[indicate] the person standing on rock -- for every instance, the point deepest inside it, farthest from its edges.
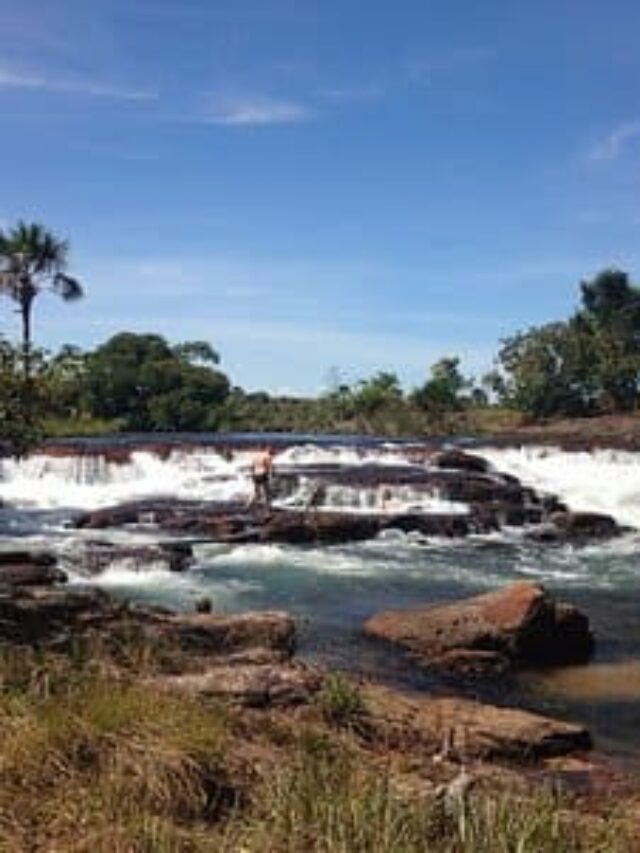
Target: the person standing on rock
(261, 470)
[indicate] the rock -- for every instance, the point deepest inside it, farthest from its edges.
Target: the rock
(319, 527)
(520, 623)
(54, 618)
(203, 605)
(579, 525)
(471, 730)
(251, 685)
(29, 568)
(458, 460)
(221, 634)
(31, 574)
(95, 556)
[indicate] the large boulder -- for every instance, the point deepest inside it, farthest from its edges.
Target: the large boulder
(517, 626)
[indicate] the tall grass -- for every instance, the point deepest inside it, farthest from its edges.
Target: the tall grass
(328, 802)
(91, 760)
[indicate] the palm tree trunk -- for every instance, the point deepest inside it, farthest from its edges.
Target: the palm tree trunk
(25, 313)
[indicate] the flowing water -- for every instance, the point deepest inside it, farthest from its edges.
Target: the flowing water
(333, 589)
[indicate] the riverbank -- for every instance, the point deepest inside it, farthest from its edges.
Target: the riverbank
(132, 729)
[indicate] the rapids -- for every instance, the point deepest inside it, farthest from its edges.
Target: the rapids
(333, 589)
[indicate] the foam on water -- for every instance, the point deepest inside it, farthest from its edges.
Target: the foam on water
(599, 480)
(88, 481)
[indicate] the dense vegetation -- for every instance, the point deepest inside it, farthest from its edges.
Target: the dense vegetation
(586, 365)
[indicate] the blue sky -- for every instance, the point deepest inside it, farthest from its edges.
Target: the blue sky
(337, 183)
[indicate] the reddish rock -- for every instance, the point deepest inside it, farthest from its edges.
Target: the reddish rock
(465, 730)
(520, 622)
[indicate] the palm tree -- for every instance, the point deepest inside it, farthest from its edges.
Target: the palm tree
(32, 260)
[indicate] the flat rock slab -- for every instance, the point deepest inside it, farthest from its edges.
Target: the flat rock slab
(461, 729)
(55, 617)
(519, 625)
(250, 685)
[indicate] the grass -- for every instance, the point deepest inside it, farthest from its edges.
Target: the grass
(341, 703)
(92, 759)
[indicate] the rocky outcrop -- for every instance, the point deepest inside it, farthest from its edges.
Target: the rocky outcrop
(93, 557)
(27, 568)
(517, 626)
(54, 618)
(460, 729)
(576, 527)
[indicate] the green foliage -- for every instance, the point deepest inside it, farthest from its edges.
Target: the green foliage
(341, 702)
(442, 391)
(588, 364)
(149, 385)
(33, 259)
(23, 402)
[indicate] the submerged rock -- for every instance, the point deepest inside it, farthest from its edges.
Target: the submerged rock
(517, 626)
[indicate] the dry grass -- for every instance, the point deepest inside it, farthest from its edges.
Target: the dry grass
(91, 760)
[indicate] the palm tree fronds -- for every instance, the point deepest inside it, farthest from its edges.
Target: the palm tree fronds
(67, 287)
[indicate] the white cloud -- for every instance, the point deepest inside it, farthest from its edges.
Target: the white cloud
(10, 79)
(255, 111)
(612, 146)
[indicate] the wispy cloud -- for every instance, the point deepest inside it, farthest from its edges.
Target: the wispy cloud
(612, 146)
(255, 110)
(11, 79)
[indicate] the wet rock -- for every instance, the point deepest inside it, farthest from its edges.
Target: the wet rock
(30, 574)
(521, 623)
(250, 685)
(27, 568)
(458, 460)
(470, 730)
(96, 556)
(578, 525)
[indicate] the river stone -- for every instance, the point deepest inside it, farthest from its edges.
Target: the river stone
(521, 623)
(250, 685)
(465, 729)
(55, 617)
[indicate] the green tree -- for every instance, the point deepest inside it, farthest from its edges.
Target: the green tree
(442, 391)
(150, 385)
(21, 425)
(33, 260)
(371, 395)
(609, 320)
(543, 372)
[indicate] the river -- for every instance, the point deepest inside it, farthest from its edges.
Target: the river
(333, 589)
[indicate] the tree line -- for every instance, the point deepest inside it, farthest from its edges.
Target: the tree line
(587, 364)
